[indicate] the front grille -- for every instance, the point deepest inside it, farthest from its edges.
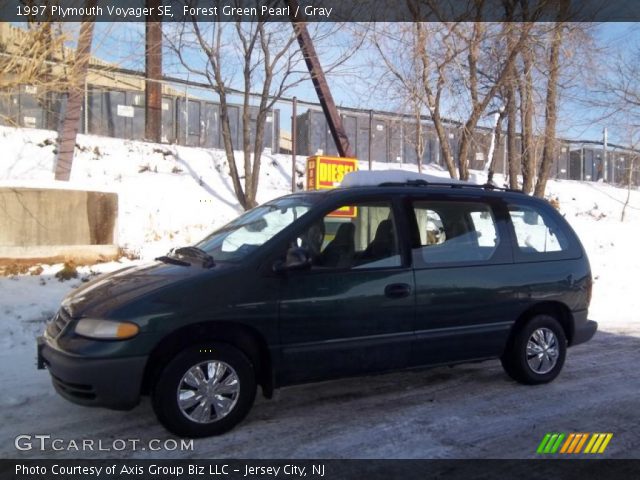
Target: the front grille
(58, 323)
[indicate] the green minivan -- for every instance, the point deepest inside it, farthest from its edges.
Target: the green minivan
(319, 285)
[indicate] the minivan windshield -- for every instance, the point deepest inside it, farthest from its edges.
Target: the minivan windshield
(254, 228)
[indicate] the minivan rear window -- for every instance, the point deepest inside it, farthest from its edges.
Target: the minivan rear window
(536, 232)
(454, 232)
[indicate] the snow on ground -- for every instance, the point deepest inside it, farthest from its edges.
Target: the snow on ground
(593, 210)
(168, 195)
(27, 301)
(171, 195)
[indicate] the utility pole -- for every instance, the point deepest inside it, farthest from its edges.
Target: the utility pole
(153, 73)
(319, 81)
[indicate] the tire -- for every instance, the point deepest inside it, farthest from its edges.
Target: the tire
(544, 359)
(216, 404)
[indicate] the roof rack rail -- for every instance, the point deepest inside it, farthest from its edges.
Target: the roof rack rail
(424, 183)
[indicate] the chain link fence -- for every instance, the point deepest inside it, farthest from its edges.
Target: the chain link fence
(380, 136)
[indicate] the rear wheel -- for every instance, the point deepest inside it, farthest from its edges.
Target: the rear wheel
(537, 351)
(205, 391)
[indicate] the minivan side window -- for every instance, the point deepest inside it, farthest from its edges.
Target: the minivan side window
(353, 237)
(535, 231)
(452, 232)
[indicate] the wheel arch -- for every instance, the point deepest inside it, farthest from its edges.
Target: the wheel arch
(558, 310)
(243, 337)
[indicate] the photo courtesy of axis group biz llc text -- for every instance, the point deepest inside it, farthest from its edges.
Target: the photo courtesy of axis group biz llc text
(320, 239)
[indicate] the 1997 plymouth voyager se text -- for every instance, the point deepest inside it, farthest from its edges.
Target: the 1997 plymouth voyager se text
(327, 284)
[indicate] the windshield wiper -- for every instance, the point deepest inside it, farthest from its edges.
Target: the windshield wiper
(172, 260)
(194, 253)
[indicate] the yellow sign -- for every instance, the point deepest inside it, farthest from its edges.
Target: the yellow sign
(327, 172)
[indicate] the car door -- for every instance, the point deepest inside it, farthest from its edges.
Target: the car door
(352, 311)
(464, 278)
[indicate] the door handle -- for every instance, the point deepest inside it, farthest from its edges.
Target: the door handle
(397, 290)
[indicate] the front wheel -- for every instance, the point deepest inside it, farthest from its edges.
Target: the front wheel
(536, 353)
(205, 391)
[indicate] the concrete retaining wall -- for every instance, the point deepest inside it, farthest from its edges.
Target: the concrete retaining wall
(52, 224)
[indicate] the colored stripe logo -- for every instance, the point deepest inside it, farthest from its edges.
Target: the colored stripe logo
(573, 443)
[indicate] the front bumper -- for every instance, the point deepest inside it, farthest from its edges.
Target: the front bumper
(98, 382)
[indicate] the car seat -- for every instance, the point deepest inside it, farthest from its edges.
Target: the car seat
(339, 253)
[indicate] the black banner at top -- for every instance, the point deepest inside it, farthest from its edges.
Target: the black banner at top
(320, 10)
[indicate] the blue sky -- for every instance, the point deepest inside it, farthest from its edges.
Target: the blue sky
(580, 120)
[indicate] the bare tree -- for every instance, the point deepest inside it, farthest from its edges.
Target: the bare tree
(622, 105)
(511, 100)
(521, 84)
(70, 122)
(617, 95)
(419, 143)
(417, 137)
(551, 107)
(27, 54)
(420, 68)
(256, 61)
(27, 59)
(447, 64)
(527, 114)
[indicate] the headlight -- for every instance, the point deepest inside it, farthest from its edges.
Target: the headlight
(106, 329)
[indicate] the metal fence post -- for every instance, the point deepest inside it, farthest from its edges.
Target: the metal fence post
(294, 133)
(401, 142)
(186, 112)
(370, 136)
(273, 132)
(605, 163)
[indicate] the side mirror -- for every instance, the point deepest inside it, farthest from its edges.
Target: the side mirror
(298, 258)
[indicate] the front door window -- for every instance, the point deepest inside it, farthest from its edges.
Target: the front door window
(355, 236)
